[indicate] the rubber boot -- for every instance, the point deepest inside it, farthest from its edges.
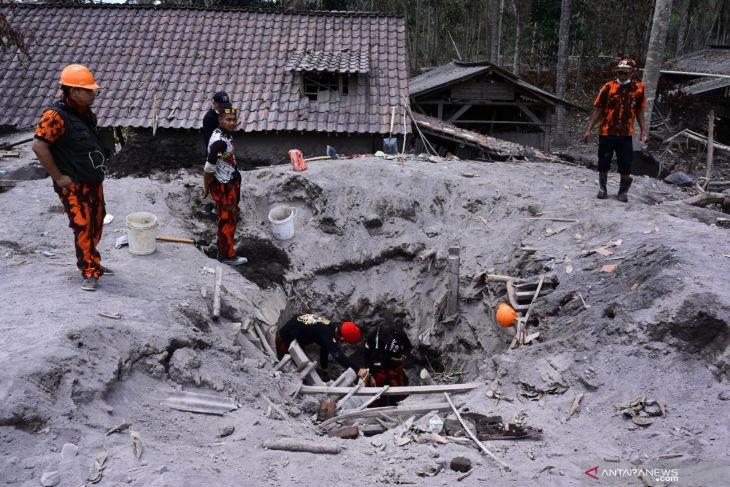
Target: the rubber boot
(602, 191)
(623, 189)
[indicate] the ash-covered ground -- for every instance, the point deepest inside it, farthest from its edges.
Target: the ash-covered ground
(656, 326)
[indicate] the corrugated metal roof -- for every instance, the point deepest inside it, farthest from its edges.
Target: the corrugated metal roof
(180, 56)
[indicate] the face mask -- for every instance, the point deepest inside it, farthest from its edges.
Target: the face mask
(623, 83)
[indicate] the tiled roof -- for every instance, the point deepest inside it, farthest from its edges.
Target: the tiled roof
(331, 61)
(175, 58)
(457, 71)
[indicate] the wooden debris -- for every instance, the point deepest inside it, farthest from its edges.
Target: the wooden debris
(667, 456)
(9, 153)
(346, 432)
(283, 362)
(576, 404)
(608, 268)
(367, 403)
(522, 322)
(427, 254)
(708, 198)
(114, 316)
(117, 429)
(564, 220)
(392, 391)
(710, 148)
(217, 293)
(388, 410)
(465, 475)
(301, 446)
(472, 435)
(7, 183)
(299, 357)
(264, 341)
(426, 377)
(136, 444)
(352, 392)
(276, 408)
(452, 301)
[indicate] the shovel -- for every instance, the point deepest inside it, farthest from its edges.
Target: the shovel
(390, 144)
(123, 241)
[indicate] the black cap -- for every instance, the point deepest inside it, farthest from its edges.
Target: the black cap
(221, 97)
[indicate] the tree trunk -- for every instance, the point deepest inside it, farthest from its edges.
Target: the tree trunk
(494, 22)
(682, 31)
(518, 38)
(655, 55)
(561, 78)
(499, 31)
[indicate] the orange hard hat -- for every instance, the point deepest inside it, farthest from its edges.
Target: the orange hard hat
(350, 332)
(506, 315)
(78, 76)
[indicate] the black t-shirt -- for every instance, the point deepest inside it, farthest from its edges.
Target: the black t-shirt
(210, 123)
(308, 329)
(380, 352)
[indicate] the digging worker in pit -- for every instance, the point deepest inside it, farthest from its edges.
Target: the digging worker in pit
(308, 328)
(68, 147)
(210, 120)
(386, 349)
(619, 102)
(222, 180)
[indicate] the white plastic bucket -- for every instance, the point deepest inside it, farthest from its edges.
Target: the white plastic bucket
(142, 232)
(282, 221)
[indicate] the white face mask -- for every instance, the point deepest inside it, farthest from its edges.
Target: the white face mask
(624, 83)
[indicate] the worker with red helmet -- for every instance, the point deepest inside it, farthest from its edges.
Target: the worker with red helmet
(308, 328)
(68, 147)
(619, 102)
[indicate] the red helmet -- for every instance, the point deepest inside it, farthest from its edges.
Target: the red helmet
(350, 332)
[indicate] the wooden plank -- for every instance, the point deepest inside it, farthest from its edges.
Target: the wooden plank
(217, 293)
(7, 183)
(388, 411)
(458, 113)
(267, 348)
(283, 362)
(710, 147)
(367, 403)
(299, 358)
(276, 408)
(395, 390)
(352, 392)
(301, 446)
(452, 302)
(307, 369)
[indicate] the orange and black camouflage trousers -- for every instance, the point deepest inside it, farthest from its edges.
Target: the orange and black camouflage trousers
(395, 377)
(84, 206)
(226, 197)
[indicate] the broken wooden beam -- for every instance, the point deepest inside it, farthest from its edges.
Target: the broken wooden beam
(283, 362)
(704, 199)
(276, 408)
(7, 183)
(301, 446)
(367, 403)
(299, 357)
(217, 293)
(393, 391)
(264, 342)
(352, 392)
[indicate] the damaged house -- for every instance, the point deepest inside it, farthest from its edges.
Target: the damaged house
(484, 98)
(699, 82)
(300, 79)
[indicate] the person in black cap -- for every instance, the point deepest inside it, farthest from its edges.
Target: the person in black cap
(210, 121)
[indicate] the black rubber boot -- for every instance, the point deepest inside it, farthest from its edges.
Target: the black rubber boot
(623, 190)
(602, 191)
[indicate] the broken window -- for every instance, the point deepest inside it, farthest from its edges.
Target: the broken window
(314, 83)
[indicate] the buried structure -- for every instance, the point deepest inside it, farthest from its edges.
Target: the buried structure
(623, 362)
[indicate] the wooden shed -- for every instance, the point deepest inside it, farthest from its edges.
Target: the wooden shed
(484, 98)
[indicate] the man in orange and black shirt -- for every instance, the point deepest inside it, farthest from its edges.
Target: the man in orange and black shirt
(617, 105)
(68, 146)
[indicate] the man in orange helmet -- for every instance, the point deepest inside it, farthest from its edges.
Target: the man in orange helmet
(308, 328)
(68, 146)
(619, 102)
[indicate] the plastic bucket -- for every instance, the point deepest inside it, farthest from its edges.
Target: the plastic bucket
(142, 232)
(282, 221)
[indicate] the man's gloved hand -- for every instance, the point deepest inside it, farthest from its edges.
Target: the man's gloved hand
(363, 374)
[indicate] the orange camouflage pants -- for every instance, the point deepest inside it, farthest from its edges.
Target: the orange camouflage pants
(394, 377)
(84, 206)
(226, 197)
